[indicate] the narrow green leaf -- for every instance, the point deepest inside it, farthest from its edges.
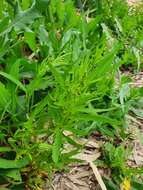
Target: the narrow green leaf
(25, 17)
(103, 66)
(56, 149)
(136, 185)
(57, 75)
(6, 164)
(4, 96)
(13, 173)
(4, 23)
(45, 147)
(42, 5)
(26, 4)
(5, 149)
(1, 8)
(14, 72)
(30, 40)
(11, 78)
(98, 118)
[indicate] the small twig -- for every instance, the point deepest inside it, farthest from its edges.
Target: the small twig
(97, 175)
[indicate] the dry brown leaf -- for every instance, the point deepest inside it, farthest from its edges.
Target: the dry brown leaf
(129, 117)
(83, 174)
(92, 144)
(67, 133)
(71, 185)
(87, 157)
(4, 185)
(133, 2)
(77, 181)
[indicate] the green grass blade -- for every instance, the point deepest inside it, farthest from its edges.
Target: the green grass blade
(57, 146)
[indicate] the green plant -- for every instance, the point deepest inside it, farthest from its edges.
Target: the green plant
(54, 79)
